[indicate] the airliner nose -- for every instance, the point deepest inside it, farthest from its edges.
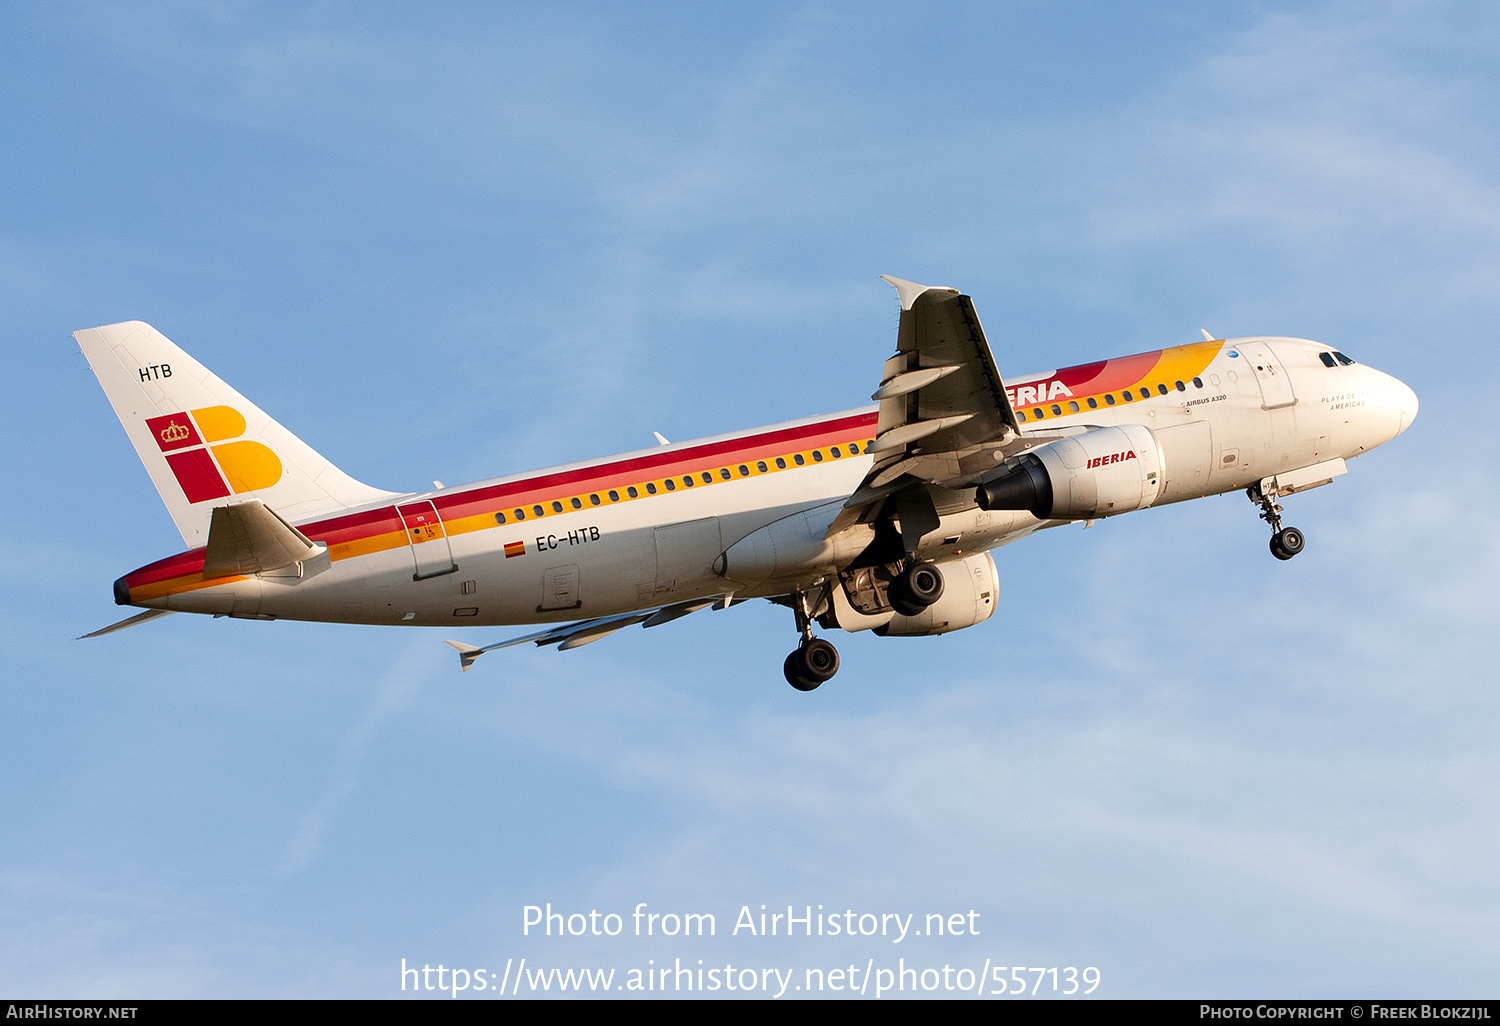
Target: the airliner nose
(1406, 402)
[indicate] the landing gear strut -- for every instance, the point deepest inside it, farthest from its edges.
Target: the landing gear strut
(1286, 542)
(815, 660)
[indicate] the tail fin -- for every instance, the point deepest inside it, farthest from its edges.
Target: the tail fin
(203, 443)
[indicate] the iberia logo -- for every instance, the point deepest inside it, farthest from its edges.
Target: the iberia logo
(1114, 457)
(208, 471)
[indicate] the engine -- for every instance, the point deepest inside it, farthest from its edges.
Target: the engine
(971, 590)
(1094, 474)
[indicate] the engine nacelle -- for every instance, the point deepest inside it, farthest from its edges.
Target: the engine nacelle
(1094, 474)
(971, 590)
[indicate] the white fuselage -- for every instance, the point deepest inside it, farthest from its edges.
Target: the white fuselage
(462, 556)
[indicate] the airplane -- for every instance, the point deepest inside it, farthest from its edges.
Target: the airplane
(881, 518)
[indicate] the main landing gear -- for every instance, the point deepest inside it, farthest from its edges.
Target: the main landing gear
(1286, 542)
(917, 586)
(815, 660)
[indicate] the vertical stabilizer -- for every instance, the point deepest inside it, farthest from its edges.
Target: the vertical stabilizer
(203, 443)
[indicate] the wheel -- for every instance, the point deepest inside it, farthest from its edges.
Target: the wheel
(817, 660)
(1287, 542)
(793, 674)
(916, 588)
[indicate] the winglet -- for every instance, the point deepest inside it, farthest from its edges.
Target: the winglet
(466, 653)
(909, 291)
(1206, 336)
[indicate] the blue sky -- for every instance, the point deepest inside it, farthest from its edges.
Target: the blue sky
(470, 241)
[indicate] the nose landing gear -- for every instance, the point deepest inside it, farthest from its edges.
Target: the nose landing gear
(1286, 542)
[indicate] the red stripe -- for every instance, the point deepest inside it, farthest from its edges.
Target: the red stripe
(601, 475)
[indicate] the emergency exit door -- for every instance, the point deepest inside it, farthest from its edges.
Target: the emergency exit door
(1275, 384)
(428, 540)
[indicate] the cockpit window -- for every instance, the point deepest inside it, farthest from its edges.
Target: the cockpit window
(1343, 359)
(1328, 360)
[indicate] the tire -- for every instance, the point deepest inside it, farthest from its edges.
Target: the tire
(793, 677)
(1292, 541)
(916, 588)
(1277, 550)
(817, 660)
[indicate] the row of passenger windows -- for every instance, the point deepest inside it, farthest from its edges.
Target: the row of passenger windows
(671, 484)
(1109, 400)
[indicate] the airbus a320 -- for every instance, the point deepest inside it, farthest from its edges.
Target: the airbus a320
(881, 518)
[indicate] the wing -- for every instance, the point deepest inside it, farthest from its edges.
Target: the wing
(574, 635)
(944, 417)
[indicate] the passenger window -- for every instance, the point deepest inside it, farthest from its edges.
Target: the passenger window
(744, 470)
(520, 514)
(797, 459)
(1197, 382)
(1056, 410)
(817, 455)
(671, 485)
(1092, 404)
(1127, 397)
(1037, 413)
(576, 503)
(853, 450)
(1109, 399)
(761, 466)
(1073, 406)
(650, 488)
(780, 463)
(1162, 389)
(632, 492)
(1021, 416)
(536, 511)
(594, 500)
(1145, 393)
(614, 496)
(835, 452)
(708, 478)
(1181, 387)
(724, 473)
(687, 479)
(556, 506)
(499, 518)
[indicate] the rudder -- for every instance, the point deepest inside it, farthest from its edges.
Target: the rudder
(203, 443)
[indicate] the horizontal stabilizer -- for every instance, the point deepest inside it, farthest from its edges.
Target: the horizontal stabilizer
(130, 621)
(249, 538)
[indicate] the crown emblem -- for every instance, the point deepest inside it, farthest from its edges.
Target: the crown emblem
(174, 432)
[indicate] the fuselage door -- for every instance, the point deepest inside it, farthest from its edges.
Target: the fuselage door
(1275, 383)
(429, 542)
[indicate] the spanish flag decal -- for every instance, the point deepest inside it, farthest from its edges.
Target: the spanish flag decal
(515, 549)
